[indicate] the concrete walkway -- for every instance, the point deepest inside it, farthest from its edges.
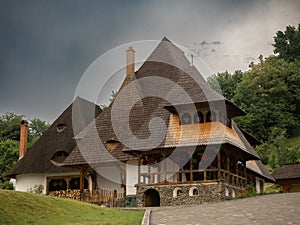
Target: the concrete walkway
(268, 209)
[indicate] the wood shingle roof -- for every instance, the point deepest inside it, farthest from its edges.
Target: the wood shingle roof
(290, 171)
(37, 159)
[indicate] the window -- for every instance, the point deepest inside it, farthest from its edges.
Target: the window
(198, 117)
(59, 156)
(177, 192)
(186, 119)
(57, 185)
(112, 144)
(193, 191)
(60, 127)
(75, 183)
(211, 117)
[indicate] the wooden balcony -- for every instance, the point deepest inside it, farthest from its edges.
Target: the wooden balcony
(192, 176)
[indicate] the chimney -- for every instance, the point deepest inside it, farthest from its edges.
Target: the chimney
(130, 61)
(23, 138)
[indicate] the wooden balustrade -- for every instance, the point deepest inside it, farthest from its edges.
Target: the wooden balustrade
(188, 176)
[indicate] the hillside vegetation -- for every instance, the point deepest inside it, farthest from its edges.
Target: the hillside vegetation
(28, 208)
(269, 92)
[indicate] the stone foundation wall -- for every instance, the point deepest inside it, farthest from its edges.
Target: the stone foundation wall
(188, 194)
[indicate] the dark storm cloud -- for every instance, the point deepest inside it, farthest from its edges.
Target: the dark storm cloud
(45, 46)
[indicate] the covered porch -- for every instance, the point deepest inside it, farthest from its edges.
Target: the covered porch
(165, 168)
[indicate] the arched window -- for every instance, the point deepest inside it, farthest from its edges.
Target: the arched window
(57, 185)
(198, 117)
(60, 127)
(193, 191)
(226, 192)
(177, 192)
(211, 117)
(186, 118)
(60, 156)
(75, 183)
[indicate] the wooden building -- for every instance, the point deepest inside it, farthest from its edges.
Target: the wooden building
(194, 153)
(288, 176)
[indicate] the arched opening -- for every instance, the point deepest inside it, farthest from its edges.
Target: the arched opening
(198, 118)
(194, 191)
(59, 156)
(152, 198)
(226, 192)
(186, 118)
(60, 127)
(211, 117)
(57, 185)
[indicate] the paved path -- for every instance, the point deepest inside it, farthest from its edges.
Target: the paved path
(275, 209)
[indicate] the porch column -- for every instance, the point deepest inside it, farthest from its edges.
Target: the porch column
(164, 167)
(237, 172)
(139, 169)
(81, 183)
(228, 163)
(191, 168)
(219, 165)
(228, 168)
(245, 174)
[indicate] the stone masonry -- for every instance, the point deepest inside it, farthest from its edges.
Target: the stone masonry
(188, 194)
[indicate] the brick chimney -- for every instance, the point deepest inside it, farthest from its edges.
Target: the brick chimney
(23, 138)
(130, 61)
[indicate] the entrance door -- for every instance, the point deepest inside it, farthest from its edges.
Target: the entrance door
(152, 198)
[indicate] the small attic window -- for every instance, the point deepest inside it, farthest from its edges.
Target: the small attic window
(60, 156)
(186, 118)
(60, 127)
(112, 144)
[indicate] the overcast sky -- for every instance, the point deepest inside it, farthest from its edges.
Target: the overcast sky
(46, 46)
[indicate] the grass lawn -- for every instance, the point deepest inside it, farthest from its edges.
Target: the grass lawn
(27, 208)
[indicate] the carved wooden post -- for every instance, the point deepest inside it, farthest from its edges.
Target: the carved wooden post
(139, 169)
(81, 183)
(228, 168)
(191, 169)
(219, 165)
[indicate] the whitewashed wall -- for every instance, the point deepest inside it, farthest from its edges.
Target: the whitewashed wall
(110, 178)
(25, 182)
(258, 189)
(132, 177)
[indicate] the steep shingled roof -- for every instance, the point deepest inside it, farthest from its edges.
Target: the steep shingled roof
(37, 159)
(259, 169)
(290, 171)
(166, 63)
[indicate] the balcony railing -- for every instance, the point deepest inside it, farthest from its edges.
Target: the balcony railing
(192, 176)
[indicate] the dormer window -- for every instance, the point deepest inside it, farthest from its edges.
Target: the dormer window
(186, 118)
(112, 144)
(60, 156)
(60, 127)
(198, 118)
(211, 117)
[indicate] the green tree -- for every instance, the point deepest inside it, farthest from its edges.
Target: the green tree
(113, 95)
(269, 93)
(225, 83)
(10, 126)
(9, 152)
(9, 141)
(37, 128)
(287, 43)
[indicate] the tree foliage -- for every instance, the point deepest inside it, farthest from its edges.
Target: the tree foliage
(225, 83)
(270, 94)
(9, 141)
(9, 152)
(10, 126)
(287, 44)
